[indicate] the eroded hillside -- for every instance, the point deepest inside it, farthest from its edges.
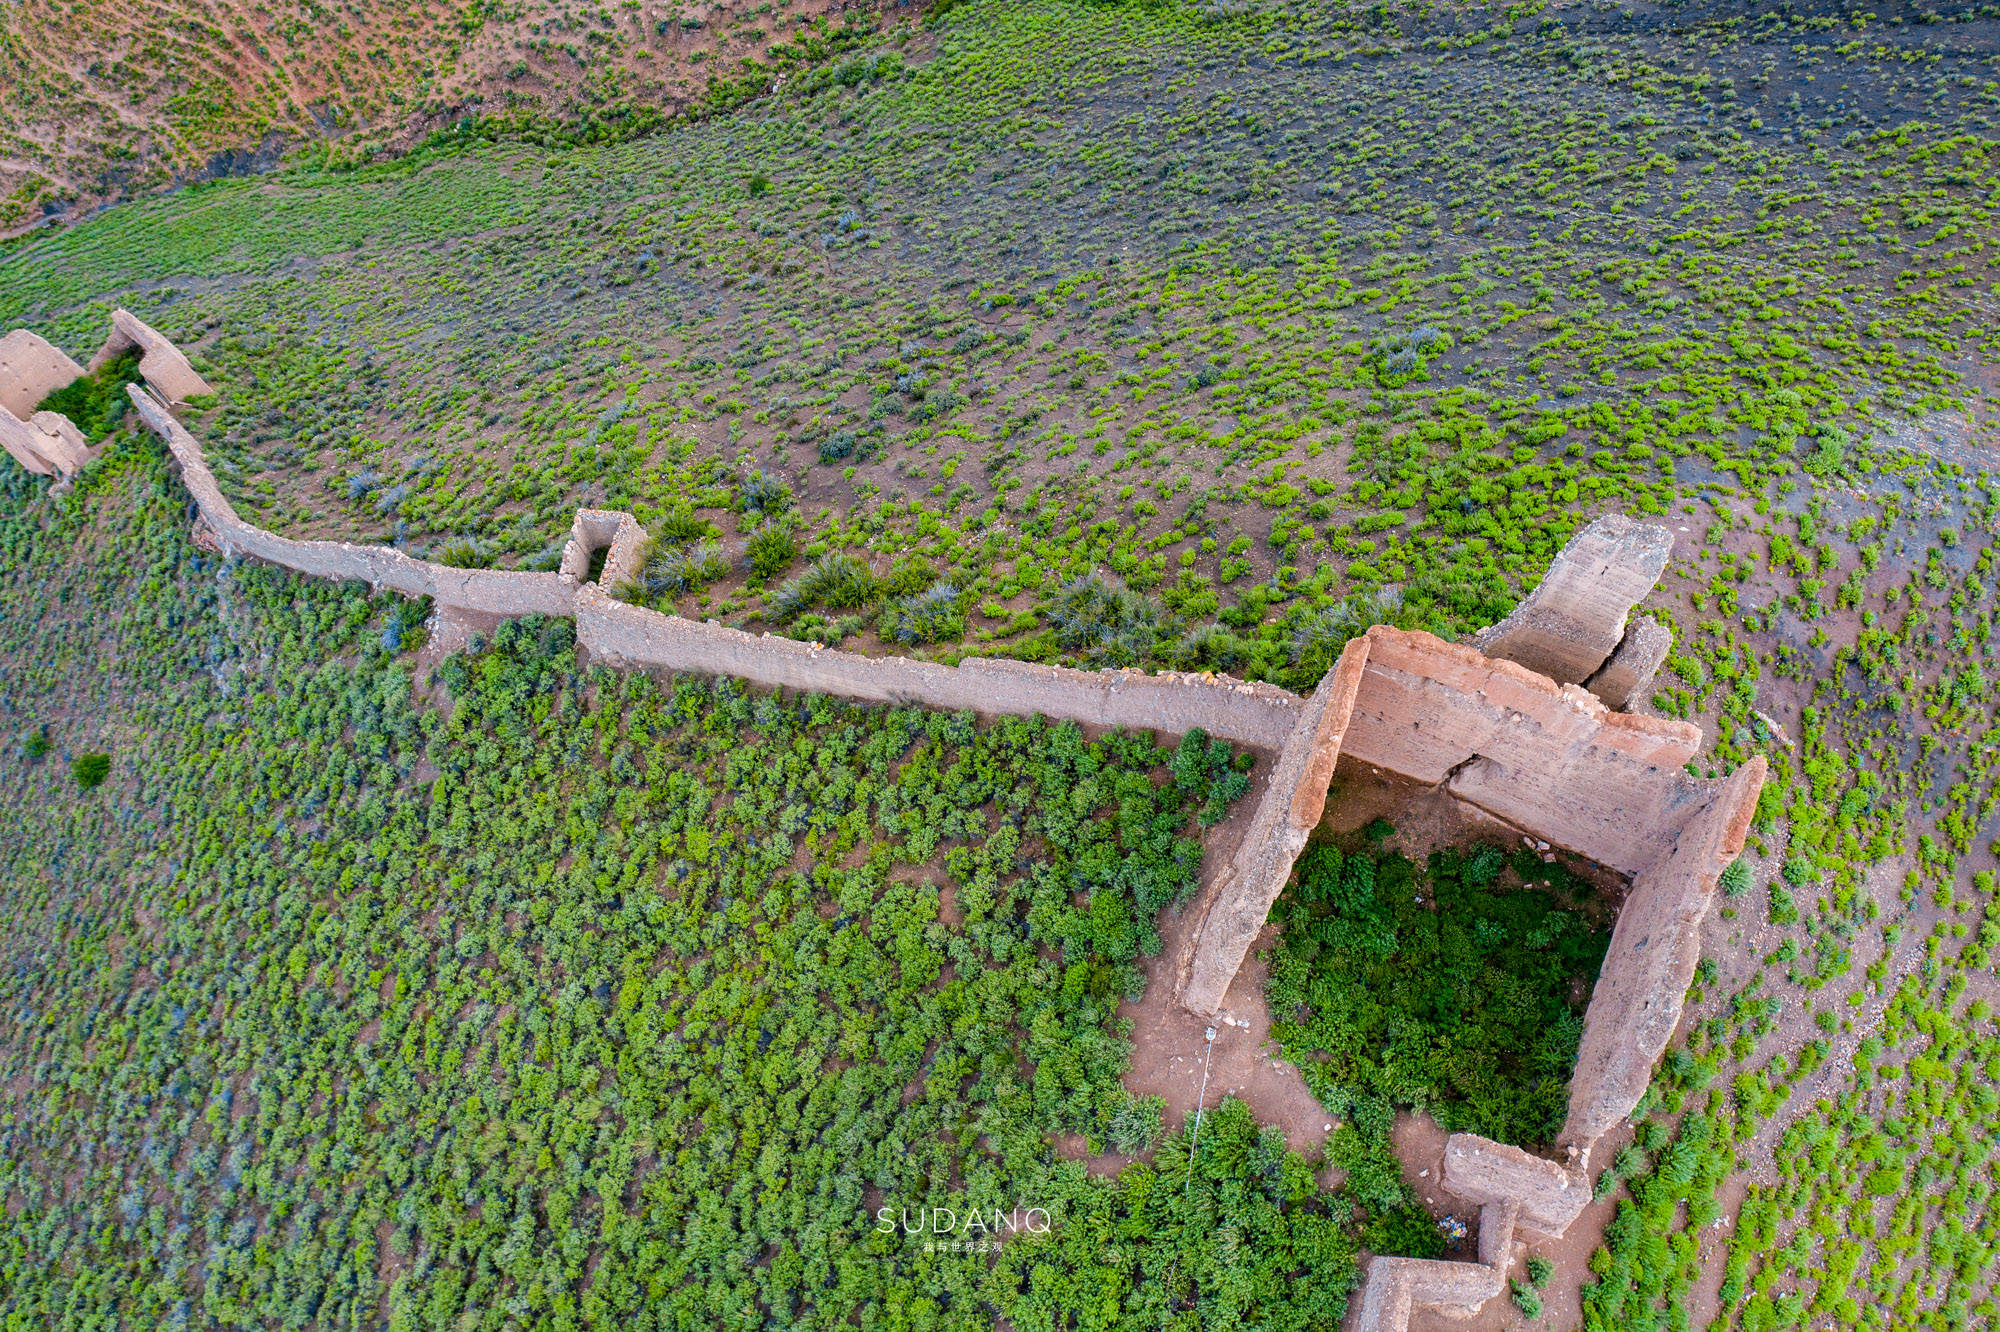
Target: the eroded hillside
(102, 101)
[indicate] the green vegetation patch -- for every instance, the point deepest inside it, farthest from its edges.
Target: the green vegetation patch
(1457, 989)
(96, 402)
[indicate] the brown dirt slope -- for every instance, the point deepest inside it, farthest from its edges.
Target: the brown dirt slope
(104, 99)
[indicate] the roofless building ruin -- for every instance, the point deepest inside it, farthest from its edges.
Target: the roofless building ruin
(1525, 725)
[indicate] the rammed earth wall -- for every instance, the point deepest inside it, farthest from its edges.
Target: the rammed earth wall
(1549, 758)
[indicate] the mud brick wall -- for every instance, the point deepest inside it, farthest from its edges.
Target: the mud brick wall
(494, 591)
(1547, 758)
(161, 363)
(1234, 908)
(1654, 948)
(1576, 616)
(31, 368)
(1259, 716)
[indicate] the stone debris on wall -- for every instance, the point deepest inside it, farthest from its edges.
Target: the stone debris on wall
(1575, 618)
(165, 369)
(31, 368)
(1233, 909)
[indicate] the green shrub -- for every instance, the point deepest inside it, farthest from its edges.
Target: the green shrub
(96, 403)
(931, 616)
(1449, 990)
(1136, 1125)
(771, 548)
(90, 770)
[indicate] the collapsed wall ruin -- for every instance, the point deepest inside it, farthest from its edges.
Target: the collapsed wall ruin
(1546, 754)
(31, 368)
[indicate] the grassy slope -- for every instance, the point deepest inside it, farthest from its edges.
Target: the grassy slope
(1255, 315)
(547, 998)
(1655, 295)
(102, 101)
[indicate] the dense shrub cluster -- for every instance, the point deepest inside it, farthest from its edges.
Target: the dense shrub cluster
(1457, 989)
(580, 997)
(96, 402)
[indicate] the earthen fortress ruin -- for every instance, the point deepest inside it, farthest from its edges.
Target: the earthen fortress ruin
(1526, 724)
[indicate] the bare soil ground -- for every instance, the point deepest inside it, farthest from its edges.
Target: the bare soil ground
(102, 101)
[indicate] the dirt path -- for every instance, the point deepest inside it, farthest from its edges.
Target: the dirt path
(1170, 1045)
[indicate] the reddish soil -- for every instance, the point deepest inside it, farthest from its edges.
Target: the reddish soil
(131, 97)
(1170, 1046)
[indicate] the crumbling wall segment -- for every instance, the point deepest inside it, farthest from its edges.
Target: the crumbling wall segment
(31, 368)
(1394, 1286)
(47, 443)
(1575, 617)
(164, 368)
(1643, 984)
(1548, 1196)
(1547, 758)
(1628, 676)
(613, 531)
(1233, 909)
(1255, 715)
(493, 591)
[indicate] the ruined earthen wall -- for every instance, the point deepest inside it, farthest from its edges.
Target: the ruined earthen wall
(1234, 908)
(1482, 1171)
(1627, 677)
(1575, 617)
(1640, 991)
(1394, 1285)
(31, 368)
(26, 445)
(494, 591)
(165, 369)
(1257, 715)
(47, 443)
(1550, 759)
